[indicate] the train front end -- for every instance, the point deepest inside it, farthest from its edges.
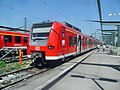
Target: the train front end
(43, 43)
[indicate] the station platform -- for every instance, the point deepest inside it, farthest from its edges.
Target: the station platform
(100, 71)
(91, 71)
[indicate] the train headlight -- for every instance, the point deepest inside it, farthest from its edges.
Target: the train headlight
(29, 56)
(50, 47)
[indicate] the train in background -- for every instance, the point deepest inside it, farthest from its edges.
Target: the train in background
(12, 40)
(53, 42)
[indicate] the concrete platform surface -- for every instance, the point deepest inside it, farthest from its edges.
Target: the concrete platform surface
(34, 83)
(98, 72)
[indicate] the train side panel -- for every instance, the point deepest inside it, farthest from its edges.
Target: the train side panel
(55, 41)
(1, 41)
(13, 39)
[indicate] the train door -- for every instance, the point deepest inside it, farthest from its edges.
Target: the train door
(87, 43)
(78, 44)
(63, 41)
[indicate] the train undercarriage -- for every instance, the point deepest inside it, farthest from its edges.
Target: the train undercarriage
(40, 61)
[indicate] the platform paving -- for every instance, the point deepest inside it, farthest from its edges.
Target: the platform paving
(100, 71)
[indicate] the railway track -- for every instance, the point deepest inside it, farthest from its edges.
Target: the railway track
(12, 78)
(15, 59)
(7, 60)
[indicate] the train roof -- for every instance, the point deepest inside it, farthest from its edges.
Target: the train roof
(43, 24)
(71, 26)
(11, 32)
(13, 29)
(49, 24)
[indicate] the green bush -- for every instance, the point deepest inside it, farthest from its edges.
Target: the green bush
(2, 64)
(17, 66)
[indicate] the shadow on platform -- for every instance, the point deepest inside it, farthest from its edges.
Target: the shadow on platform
(101, 79)
(116, 67)
(95, 79)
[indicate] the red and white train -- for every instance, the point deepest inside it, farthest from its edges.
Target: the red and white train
(11, 42)
(53, 42)
(12, 39)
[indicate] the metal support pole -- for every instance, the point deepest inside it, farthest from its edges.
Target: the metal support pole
(109, 40)
(113, 38)
(118, 41)
(25, 23)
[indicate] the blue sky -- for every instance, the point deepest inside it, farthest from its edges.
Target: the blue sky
(12, 12)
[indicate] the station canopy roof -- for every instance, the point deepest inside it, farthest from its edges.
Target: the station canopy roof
(108, 23)
(111, 23)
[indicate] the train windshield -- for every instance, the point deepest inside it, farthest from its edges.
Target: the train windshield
(40, 33)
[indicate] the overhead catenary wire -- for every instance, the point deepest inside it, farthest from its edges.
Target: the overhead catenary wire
(21, 12)
(12, 4)
(11, 7)
(73, 14)
(45, 3)
(68, 10)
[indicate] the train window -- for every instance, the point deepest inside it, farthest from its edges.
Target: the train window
(63, 33)
(25, 39)
(70, 41)
(45, 34)
(17, 39)
(90, 42)
(82, 41)
(8, 38)
(87, 41)
(75, 41)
